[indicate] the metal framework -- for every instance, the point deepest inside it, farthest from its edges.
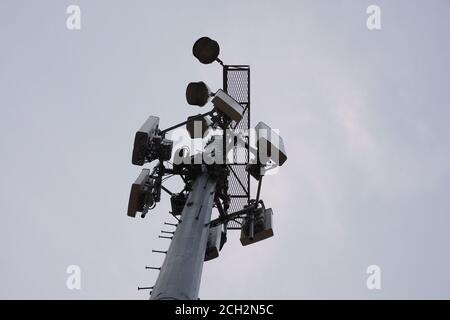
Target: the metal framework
(236, 82)
(224, 185)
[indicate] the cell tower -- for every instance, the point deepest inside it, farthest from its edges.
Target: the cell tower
(219, 177)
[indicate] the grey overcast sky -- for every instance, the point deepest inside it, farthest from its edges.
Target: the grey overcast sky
(364, 115)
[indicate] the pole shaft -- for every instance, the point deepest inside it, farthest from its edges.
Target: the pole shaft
(180, 275)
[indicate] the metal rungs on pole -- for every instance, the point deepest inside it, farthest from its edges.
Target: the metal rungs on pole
(181, 271)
